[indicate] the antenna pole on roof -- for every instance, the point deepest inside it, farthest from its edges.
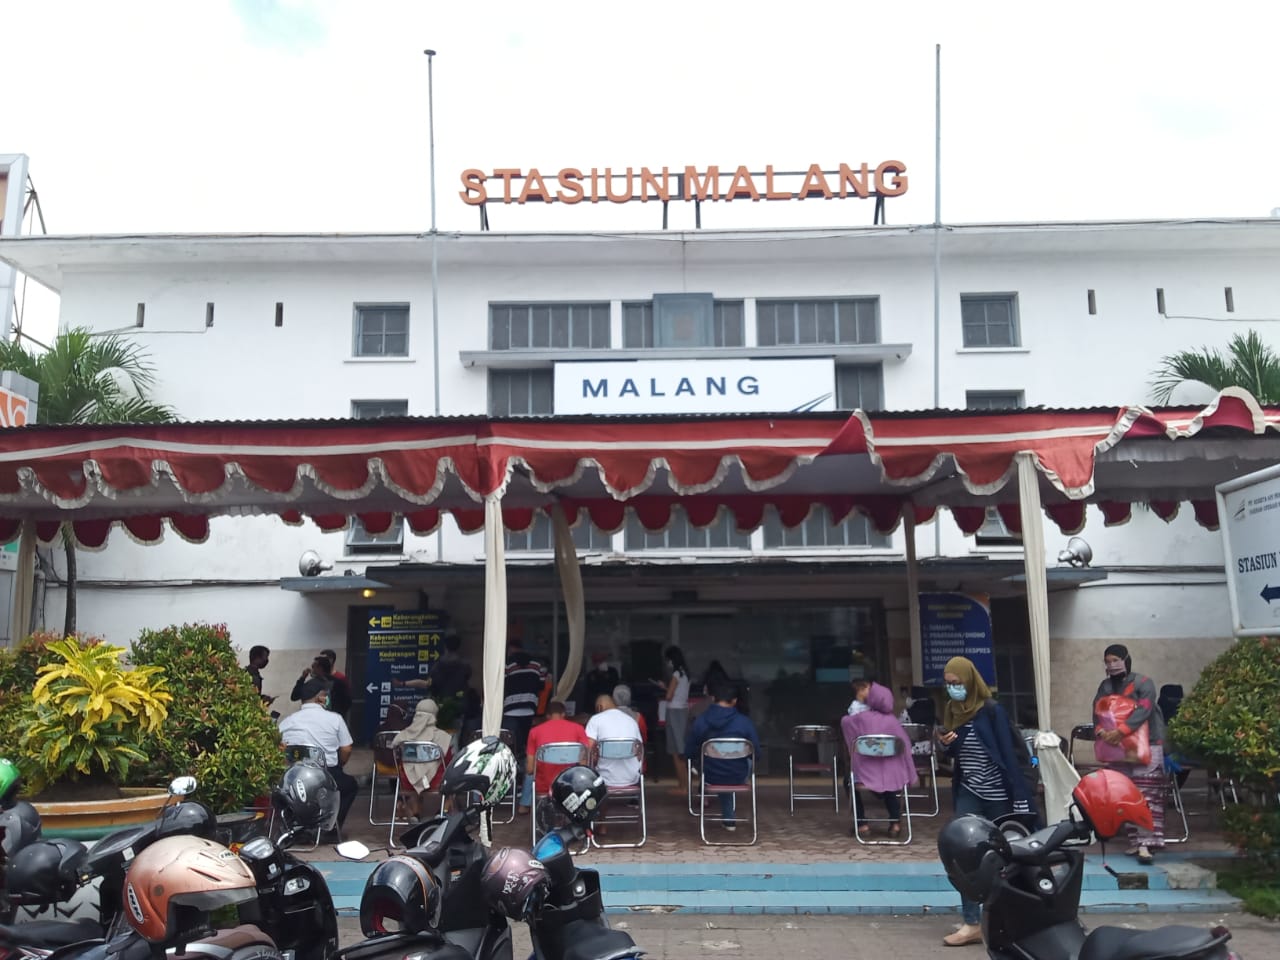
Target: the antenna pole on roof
(937, 253)
(435, 259)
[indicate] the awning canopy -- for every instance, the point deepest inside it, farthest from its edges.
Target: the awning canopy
(147, 477)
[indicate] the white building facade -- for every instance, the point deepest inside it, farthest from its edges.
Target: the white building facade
(292, 327)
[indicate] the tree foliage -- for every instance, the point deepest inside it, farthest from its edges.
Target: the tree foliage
(1248, 363)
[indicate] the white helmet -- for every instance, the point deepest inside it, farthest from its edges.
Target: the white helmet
(487, 766)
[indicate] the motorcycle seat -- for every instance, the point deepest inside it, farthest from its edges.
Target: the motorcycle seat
(51, 933)
(1117, 943)
(590, 941)
(398, 945)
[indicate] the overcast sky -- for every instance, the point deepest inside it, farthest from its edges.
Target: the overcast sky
(311, 115)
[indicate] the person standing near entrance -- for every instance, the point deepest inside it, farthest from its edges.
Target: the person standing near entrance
(988, 758)
(522, 687)
(677, 701)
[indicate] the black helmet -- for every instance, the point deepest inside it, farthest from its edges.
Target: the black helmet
(21, 826)
(512, 878)
(47, 871)
(578, 792)
(400, 896)
(308, 796)
(973, 851)
(189, 818)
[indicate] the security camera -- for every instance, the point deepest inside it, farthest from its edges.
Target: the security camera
(310, 564)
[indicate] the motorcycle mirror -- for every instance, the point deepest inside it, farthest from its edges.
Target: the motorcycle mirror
(182, 786)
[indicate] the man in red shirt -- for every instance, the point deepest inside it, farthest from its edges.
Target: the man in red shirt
(555, 729)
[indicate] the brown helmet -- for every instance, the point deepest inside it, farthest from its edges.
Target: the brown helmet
(173, 884)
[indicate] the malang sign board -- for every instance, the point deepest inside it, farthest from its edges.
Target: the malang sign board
(573, 185)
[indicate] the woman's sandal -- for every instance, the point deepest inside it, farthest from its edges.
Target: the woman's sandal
(863, 831)
(895, 830)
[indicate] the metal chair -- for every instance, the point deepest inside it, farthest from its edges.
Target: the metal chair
(411, 751)
(568, 753)
(381, 771)
(727, 748)
(881, 746)
(922, 749)
(1173, 792)
(623, 750)
(1083, 732)
(817, 736)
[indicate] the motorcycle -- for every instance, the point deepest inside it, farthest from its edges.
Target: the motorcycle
(561, 903)
(1030, 883)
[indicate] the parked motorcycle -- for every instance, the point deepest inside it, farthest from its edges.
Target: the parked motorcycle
(19, 826)
(428, 901)
(561, 903)
(1030, 885)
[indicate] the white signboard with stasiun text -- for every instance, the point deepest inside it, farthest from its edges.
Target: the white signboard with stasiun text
(695, 386)
(1249, 518)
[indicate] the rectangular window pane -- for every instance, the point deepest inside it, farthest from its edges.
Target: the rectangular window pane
(989, 321)
(859, 387)
(500, 328)
(382, 331)
(560, 327)
(580, 328)
(519, 328)
(637, 325)
(540, 327)
(766, 323)
(868, 325)
(600, 335)
(993, 399)
(827, 322)
(729, 323)
(372, 409)
(518, 393)
(816, 321)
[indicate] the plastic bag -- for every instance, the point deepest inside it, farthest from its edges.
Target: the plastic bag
(1057, 775)
(1135, 748)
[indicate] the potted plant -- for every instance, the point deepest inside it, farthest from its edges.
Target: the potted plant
(85, 723)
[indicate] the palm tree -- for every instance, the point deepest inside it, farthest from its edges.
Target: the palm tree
(87, 378)
(1248, 363)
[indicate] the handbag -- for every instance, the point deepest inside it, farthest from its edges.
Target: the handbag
(1109, 712)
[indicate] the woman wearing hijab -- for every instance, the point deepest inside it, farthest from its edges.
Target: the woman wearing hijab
(883, 776)
(1149, 777)
(417, 778)
(987, 756)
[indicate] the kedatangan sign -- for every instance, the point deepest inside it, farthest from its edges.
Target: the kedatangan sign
(1249, 518)
(695, 386)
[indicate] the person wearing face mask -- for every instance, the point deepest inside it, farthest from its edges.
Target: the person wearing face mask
(989, 759)
(883, 776)
(1149, 777)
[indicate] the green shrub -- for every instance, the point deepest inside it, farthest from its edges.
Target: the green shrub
(19, 667)
(218, 730)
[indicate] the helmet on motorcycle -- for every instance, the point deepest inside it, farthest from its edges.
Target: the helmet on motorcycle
(186, 819)
(21, 826)
(973, 851)
(172, 886)
(578, 792)
(45, 872)
(1108, 799)
(10, 780)
(511, 878)
(309, 796)
(485, 765)
(401, 892)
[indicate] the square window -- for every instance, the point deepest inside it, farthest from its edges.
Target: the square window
(382, 330)
(990, 320)
(683, 320)
(859, 387)
(521, 393)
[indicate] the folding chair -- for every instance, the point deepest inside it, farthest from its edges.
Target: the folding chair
(1173, 793)
(1083, 732)
(882, 746)
(381, 771)
(411, 751)
(567, 753)
(817, 736)
(300, 753)
(922, 749)
(727, 748)
(622, 750)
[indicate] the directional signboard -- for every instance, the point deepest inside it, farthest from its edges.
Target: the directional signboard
(955, 625)
(403, 644)
(1249, 518)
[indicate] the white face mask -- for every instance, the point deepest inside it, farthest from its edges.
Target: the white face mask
(857, 707)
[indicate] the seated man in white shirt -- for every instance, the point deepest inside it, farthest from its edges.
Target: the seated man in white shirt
(610, 723)
(313, 724)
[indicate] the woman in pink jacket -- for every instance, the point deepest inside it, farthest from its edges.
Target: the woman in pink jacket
(883, 776)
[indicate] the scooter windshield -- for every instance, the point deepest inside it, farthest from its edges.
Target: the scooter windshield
(549, 846)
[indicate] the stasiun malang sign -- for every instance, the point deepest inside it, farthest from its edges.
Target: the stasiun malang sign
(609, 185)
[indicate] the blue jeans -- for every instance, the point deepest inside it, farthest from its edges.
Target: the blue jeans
(968, 802)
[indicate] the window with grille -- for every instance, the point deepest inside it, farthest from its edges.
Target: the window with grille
(993, 399)
(860, 387)
(680, 534)
(549, 326)
(817, 532)
(358, 539)
(990, 320)
(852, 320)
(521, 393)
(639, 329)
(541, 536)
(382, 330)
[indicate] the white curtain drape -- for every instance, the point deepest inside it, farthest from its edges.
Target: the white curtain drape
(1037, 581)
(574, 604)
(24, 584)
(495, 616)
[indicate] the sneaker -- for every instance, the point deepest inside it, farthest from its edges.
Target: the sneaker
(966, 934)
(1144, 855)
(731, 827)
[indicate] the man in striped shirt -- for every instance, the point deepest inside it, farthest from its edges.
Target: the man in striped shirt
(525, 680)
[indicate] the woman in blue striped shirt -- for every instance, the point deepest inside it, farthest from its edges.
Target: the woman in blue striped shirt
(988, 758)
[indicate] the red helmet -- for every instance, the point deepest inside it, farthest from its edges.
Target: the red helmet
(1108, 799)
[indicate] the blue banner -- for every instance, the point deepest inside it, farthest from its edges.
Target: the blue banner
(403, 644)
(955, 625)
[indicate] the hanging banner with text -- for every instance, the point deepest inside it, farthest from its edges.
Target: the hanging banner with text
(955, 625)
(403, 644)
(1249, 518)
